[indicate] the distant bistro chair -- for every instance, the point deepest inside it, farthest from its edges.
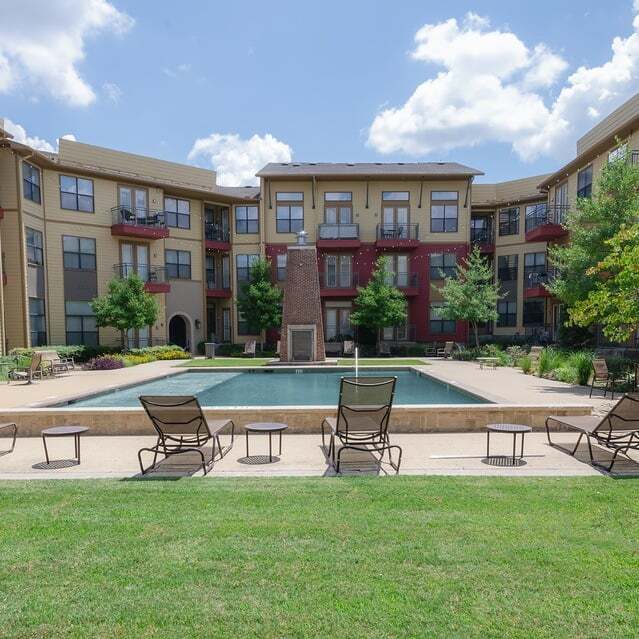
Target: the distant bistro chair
(363, 416)
(384, 349)
(182, 428)
(447, 351)
(249, 347)
(617, 431)
(602, 378)
(349, 347)
(28, 373)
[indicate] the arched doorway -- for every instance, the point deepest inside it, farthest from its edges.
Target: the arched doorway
(178, 331)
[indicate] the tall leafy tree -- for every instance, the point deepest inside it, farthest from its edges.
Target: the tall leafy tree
(125, 306)
(614, 205)
(260, 301)
(379, 304)
(471, 295)
(613, 302)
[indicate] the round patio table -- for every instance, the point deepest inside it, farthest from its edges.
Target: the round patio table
(514, 429)
(265, 427)
(64, 431)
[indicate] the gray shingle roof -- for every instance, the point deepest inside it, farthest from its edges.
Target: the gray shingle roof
(366, 169)
(243, 192)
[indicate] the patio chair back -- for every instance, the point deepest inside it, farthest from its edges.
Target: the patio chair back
(349, 347)
(364, 407)
(278, 347)
(449, 347)
(249, 347)
(623, 417)
(36, 362)
(177, 418)
(600, 369)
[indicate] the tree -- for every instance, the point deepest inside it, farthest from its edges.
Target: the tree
(472, 294)
(126, 306)
(379, 304)
(260, 301)
(613, 302)
(614, 204)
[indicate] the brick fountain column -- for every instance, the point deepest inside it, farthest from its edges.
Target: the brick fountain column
(302, 335)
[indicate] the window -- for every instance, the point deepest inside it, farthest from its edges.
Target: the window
(561, 195)
(481, 230)
(226, 324)
(437, 323)
(337, 323)
(507, 268)
(34, 247)
(398, 271)
(619, 153)
(534, 269)
(507, 313)
(80, 324)
(444, 207)
(337, 271)
(281, 267)
(442, 265)
(211, 271)
(584, 182)
(534, 313)
(247, 219)
(509, 221)
(37, 322)
(395, 196)
(177, 213)
(290, 212)
(78, 253)
(76, 194)
(242, 325)
(338, 207)
(243, 264)
(178, 264)
(31, 182)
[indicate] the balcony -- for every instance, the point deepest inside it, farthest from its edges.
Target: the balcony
(535, 281)
(483, 237)
(154, 277)
(397, 236)
(545, 222)
(216, 237)
(138, 222)
(338, 236)
(407, 283)
(338, 285)
(217, 285)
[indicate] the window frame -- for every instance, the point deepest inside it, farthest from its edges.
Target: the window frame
(31, 187)
(283, 225)
(280, 270)
(79, 253)
(177, 215)
(244, 226)
(440, 272)
(76, 193)
(245, 270)
(40, 335)
(526, 321)
(585, 190)
(37, 250)
(509, 318)
(175, 269)
(340, 205)
(83, 333)
(511, 268)
(510, 223)
(445, 203)
(443, 323)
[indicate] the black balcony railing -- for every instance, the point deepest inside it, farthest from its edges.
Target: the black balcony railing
(398, 231)
(137, 216)
(339, 280)
(216, 233)
(546, 214)
(537, 276)
(216, 281)
(507, 274)
(338, 231)
(147, 272)
(483, 234)
(403, 280)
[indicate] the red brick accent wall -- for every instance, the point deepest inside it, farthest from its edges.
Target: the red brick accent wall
(302, 304)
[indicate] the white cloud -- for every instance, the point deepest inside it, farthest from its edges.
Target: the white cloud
(42, 44)
(236, 160)
(494, 88)
(19, 134)
(112, 91)
(173, 72)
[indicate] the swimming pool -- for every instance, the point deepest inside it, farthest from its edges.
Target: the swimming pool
(305, 387)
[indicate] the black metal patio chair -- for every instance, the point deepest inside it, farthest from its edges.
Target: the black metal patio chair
(362, 420)
(182, 428)
(618, 431)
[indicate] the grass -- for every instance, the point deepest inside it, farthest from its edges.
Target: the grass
(222, 362)
(305, 558)
(382, 361)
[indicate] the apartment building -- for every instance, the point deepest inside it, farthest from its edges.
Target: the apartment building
(71, 221)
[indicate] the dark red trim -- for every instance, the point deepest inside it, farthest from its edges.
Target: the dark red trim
(486, 248)
(397, 245)
(157, 287)
(546, 232)
(215, 245)
(337, 245)
(536, 291)
(338, 292)
(224, 293)
(133, 230)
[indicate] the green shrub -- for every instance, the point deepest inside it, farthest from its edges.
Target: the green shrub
(80, 353)
(175, 354)
(525, 363)
(134, 360)
(548, 360)
(581, 362)
(566, 373)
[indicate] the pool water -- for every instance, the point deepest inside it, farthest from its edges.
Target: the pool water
(280, 388)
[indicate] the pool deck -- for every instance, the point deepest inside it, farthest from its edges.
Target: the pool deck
(302, 455)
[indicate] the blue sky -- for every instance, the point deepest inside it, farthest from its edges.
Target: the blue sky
(315, 76)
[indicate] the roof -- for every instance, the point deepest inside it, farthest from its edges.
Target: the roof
(242, 192)
(504, 193)
(367, 169)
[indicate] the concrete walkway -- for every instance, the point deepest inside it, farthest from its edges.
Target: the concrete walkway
(424, 454)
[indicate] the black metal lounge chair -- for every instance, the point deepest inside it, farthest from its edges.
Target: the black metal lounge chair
(362, 419)
(618, 431)
(182, 428)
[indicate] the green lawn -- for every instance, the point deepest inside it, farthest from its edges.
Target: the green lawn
(221, 362)
(383, 361)
(305, 558)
